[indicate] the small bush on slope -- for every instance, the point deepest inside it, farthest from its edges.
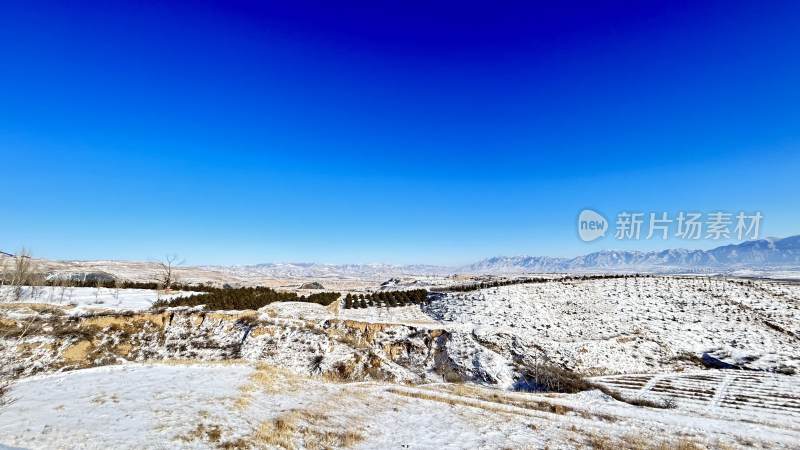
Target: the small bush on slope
(4, 400)
(246, 298)
(548, 377)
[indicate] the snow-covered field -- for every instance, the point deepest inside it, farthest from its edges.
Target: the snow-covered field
(410, 315)
(83, 299)
(246, 406)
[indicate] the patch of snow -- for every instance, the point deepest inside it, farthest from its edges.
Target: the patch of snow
(84, 300)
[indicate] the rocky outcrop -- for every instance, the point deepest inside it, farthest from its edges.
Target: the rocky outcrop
(333, 348)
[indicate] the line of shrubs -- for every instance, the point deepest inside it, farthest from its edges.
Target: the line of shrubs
(388, 299)
(492, 284)
(246, 298)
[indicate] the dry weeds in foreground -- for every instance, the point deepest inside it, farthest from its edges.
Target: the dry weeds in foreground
(488, 402)
(268, 379)
(309, 428)
(641, 442)
(306, 427)
(472, 396)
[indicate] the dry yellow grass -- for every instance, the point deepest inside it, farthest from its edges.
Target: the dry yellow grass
(451, 401)
(191, 361)
(478, 393)
(279, 432)
(302, 429)
(203, 432)
(36, 307)
(77, 352)
(632, 442)
(268, 379)
(641, 442)
(311, 428)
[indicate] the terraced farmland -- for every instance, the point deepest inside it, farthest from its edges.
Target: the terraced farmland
(759, 397)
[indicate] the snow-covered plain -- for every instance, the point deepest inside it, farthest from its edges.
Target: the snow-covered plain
(85, 300)
(254, 406)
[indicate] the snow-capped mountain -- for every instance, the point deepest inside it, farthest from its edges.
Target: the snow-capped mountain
(317, 270)
(757, 254)
(515, 263)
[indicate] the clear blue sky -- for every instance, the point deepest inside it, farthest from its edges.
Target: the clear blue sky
(245, 132)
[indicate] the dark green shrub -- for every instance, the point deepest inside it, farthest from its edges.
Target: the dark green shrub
(246, 298)
(348, 301)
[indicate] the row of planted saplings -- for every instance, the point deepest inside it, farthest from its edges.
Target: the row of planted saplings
(499, 283)
(388, 299)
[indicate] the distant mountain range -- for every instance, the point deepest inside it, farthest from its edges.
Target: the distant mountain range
(757, 254)
(763, 254)
(319, 270)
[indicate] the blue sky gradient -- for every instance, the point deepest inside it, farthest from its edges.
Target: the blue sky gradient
(242, 132)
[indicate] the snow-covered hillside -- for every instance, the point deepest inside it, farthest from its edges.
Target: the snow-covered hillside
(640, 324)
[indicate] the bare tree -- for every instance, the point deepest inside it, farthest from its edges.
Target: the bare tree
(117, 287)
(3, 270)
(167, 277)
(62, 284)
(99, 286)
(19, 275)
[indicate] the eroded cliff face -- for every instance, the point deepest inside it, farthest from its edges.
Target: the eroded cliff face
(336, 349)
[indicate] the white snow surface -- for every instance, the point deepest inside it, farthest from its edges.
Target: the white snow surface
(207, 405)
(85, 300)
(131, 406)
